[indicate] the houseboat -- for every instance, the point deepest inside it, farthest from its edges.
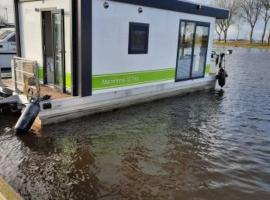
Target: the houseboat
(7, 47)
(98, 55)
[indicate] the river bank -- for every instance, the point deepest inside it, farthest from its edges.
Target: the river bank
(242, 44)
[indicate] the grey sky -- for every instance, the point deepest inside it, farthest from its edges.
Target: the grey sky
(243, 33)
(7, 4)
(243, 29)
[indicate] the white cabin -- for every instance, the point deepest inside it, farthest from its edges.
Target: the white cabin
(106, 50)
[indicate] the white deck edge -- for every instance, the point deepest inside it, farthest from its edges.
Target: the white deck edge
(75, 107)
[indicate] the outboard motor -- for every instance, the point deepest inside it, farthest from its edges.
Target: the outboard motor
(27, 118)
(220, 62)
(222, 74)
(221, 77)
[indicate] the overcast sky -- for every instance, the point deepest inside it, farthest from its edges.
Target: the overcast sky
(243, 33)
(7, 4)
(243, 29)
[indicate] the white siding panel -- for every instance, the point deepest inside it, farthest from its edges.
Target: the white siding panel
(30, 29)
(111, 32)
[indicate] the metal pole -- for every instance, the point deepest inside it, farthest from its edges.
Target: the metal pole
(0, 78)
(14, 77)
(6, 14)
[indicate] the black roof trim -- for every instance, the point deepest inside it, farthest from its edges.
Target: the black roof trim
(175, 5)
(181, 6)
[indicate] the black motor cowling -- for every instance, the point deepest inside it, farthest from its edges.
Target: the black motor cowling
(221, 77)
(27, 118)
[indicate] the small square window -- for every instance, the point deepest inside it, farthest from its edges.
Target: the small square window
(138, 38)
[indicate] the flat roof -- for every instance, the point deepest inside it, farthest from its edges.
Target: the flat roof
(175, 5)
(181, 6)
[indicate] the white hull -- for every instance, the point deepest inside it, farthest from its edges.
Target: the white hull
(75, 107)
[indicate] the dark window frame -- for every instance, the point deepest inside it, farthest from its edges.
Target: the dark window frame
(197, 23)
(131, 28)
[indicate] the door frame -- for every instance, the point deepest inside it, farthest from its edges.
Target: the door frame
(45, 81)
(197, 23)
(63, 51)
(53, 11)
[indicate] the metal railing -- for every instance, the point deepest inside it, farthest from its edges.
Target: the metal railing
(25, 77)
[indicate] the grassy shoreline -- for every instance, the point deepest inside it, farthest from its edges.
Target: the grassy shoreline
(243, 44)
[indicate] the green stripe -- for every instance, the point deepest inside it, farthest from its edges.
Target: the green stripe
(207, 69)
(40, 73)
(68, 77)
(106, 81)
(68, 80)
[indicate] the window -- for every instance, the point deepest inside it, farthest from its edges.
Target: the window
(200, 51)
(192, 50)
(138, 38)
(12, 39)
(4, 34)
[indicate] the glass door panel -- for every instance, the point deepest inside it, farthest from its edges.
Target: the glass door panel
(200, 51)
(192, 50)
(58, 46)
(185, 50)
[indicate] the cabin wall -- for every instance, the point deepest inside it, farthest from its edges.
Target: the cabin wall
(31, 32)
(113, 67)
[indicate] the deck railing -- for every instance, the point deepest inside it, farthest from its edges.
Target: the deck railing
(25, 77)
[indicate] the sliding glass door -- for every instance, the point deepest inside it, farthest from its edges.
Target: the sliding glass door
(192, 50)
(185, 50)
(59, 48)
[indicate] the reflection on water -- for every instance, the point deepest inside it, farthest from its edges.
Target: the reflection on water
(208, 145)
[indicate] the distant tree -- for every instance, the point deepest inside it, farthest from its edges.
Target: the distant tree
(238, 31)
(269, 39)
(251, 10)
(3, 20)
(265, 15)
(219, 29)
(225, 24)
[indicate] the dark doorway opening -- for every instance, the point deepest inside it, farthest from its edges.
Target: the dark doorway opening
(53, 49)
(48, 69)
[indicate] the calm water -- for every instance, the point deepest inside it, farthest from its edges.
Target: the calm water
(208, 145)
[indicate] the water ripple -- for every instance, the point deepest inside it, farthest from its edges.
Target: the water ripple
(209, 145)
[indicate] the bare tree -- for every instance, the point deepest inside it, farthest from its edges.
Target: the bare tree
(238, 32)
(269, 39)
(250, 12)
(219, 29)
(3, 20)
(232, 6)
(266, 16)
